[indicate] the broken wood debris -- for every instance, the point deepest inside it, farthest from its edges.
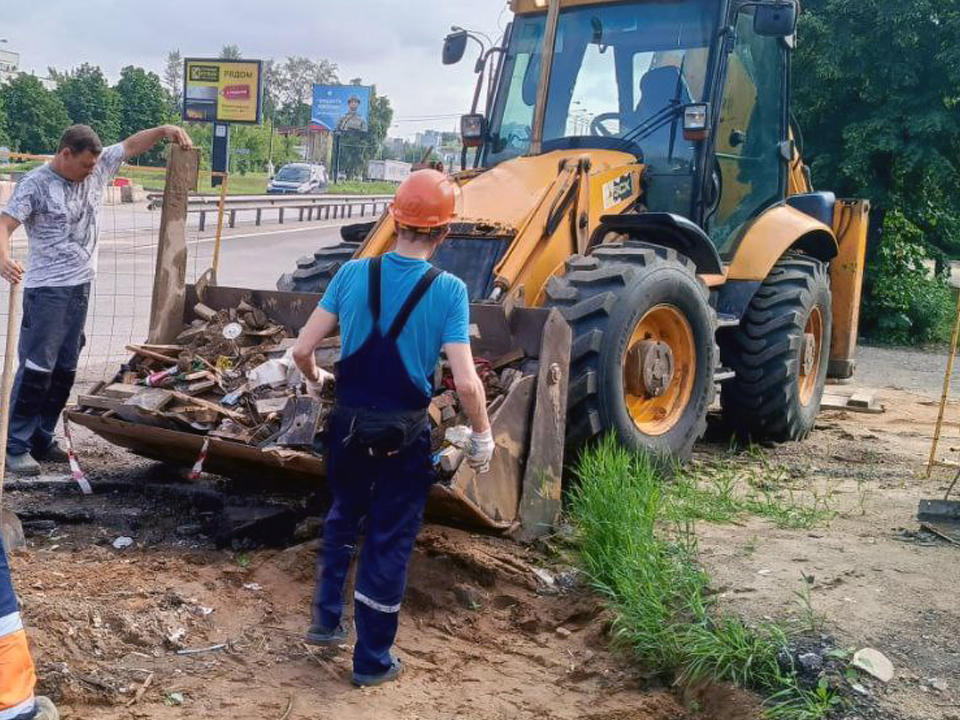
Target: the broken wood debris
(229, 374)
(199, 382)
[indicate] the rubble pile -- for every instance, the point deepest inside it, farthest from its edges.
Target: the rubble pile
(230, 375)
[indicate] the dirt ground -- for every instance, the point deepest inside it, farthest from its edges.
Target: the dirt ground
(873, 579)
(482, 635)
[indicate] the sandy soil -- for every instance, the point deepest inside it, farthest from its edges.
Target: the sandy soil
(873, 579)
(482, 635)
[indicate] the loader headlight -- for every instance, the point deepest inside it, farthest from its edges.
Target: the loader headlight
(696, 121)
(472, 129)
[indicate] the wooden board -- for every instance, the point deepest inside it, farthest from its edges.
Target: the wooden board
(98, 402)
(169, 288)
(853, 401)
(121, 390)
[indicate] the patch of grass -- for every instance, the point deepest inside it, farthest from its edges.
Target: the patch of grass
(374, 187)
(725, 491)
(648, 571)
(243, 560)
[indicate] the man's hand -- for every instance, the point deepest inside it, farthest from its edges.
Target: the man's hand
(11, 270)
(176, 134)
(315, 385)
(480, 451)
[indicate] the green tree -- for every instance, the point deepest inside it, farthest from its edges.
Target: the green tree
(143, 104)
(230, 52)
(90, 100)
(173, 80)
(877, 94)
(357, 148)
(296, 78)
(4, 139)
(36, 117)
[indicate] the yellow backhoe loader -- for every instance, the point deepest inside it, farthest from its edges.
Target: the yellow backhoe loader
(634, 170)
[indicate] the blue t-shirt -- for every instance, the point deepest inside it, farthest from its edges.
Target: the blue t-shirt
(442, 315)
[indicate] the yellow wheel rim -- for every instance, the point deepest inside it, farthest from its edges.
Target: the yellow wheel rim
(810, 350)
(655, 407)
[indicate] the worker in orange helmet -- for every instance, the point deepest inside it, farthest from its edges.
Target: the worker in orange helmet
(396, 313)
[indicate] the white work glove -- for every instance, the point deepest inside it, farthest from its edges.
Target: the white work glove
(480, 451)
(315, 387)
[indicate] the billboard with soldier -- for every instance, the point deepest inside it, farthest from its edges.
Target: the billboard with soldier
(340, 108)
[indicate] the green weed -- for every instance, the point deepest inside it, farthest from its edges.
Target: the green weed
(636, 545)
(726, 491)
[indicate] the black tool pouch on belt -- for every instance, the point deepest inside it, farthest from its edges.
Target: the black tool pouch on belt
(382, 434)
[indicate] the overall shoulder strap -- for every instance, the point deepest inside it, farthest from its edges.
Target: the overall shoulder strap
(419, 290)
(373, 290)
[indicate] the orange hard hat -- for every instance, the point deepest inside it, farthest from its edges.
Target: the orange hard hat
(426, 199)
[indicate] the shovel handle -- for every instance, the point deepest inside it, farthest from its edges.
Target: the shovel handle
(6, 384)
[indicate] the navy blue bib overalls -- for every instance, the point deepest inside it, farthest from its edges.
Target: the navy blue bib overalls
(387, 494)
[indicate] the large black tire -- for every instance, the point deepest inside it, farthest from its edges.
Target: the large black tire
(313, 274)
(768, 352)
(603, 296)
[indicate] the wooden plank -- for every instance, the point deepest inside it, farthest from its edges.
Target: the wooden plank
(121, 390)
(204, 312)
(200, 387)
(98, 402)
(169, 286)
(856, 402)
(150, 354)
(540, 499)
(150, 399)
(188, 400)
(508, 358)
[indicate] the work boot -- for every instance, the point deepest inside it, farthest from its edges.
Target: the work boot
(319, 635)
(53, 454)
(23, 465)
(396, 668)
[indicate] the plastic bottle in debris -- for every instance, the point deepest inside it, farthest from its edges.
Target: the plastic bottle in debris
(163, 378)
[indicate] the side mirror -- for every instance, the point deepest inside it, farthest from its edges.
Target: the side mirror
(454, 45)
(696, 122)
(473, 129)
(775, 19)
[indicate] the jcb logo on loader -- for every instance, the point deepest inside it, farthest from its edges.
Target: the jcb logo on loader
(617, 190)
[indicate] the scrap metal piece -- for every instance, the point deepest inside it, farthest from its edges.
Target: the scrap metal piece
(301, 417)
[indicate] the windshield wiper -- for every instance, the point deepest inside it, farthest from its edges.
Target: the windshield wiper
(667, 114)
(659, 119)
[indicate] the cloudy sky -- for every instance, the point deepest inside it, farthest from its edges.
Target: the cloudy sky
(394, 45)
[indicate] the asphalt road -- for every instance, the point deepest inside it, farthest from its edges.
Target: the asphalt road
(251, 256)
(255, 257)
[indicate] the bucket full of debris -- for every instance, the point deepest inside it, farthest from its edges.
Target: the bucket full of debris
(227, 387)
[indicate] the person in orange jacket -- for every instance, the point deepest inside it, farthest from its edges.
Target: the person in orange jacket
(17, 675)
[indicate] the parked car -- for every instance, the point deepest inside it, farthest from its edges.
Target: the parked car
(298, 178)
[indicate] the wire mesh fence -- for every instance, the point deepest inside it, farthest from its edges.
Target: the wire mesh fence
(120, 297)
(279, 230)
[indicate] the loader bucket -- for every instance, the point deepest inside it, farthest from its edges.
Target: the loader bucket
(521, 492)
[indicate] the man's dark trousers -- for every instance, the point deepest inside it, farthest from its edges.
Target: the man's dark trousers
(388, 497)
(51, 337)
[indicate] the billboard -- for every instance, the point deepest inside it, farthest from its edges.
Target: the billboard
(340, 108)
(222, 90)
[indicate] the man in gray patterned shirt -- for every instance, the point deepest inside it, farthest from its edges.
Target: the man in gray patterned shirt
(59, 206)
